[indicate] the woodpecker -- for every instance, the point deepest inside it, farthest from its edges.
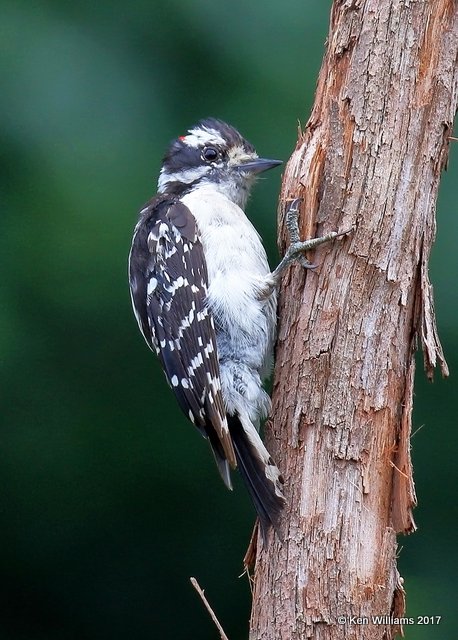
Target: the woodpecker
(205, 299)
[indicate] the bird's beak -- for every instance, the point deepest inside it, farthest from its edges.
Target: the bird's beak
(258, 165)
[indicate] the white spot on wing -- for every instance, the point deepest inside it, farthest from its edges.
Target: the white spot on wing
(152, 284)
(208, 349)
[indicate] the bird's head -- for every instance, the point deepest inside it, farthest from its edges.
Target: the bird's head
(212, 153)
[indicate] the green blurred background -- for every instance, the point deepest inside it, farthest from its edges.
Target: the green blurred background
(109, 500)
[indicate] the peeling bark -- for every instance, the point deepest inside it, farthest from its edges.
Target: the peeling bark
(370, 158)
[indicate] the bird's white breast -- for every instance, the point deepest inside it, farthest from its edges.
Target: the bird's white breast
(237, 269)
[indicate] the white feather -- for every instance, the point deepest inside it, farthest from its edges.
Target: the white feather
(200, 136)
(242, 303)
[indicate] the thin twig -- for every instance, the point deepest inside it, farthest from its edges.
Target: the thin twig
(399, 470)
(196, 586)
(417, 430)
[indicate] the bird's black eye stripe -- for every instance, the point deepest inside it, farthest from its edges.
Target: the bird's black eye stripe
(210, 154)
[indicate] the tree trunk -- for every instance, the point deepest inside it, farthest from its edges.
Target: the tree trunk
(370, 158)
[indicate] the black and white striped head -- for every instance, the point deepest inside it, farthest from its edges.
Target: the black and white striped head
(212, 153)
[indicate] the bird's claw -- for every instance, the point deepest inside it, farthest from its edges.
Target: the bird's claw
(298, 247)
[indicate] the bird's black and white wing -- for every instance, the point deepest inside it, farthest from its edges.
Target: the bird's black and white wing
(168, 282)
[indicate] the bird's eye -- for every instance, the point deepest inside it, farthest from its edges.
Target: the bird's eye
(210, 154)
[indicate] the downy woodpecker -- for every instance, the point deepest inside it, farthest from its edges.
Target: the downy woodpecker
(205, 299)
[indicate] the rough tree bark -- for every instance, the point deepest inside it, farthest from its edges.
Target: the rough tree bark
(370, 158)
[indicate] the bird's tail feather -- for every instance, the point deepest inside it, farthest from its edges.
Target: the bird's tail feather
(220, 456)
(260, 474)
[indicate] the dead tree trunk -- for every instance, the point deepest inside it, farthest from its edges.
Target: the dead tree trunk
(370, 158)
